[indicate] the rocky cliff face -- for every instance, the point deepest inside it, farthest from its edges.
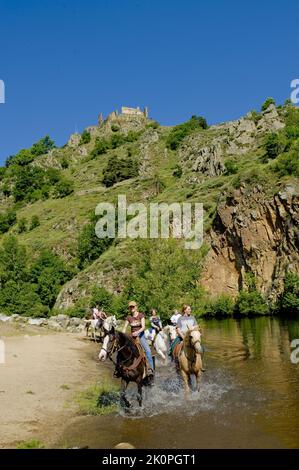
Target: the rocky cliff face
(253, 234)
(230, 139)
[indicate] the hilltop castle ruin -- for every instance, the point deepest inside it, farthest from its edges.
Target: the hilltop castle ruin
(126, 113)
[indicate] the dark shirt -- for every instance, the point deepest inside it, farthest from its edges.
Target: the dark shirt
(135, 322)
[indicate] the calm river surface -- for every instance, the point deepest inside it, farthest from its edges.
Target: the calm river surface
(249, 396)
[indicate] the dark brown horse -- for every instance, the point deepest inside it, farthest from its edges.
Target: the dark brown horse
(130, 364)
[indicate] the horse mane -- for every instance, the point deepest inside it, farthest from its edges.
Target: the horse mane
(128, 341)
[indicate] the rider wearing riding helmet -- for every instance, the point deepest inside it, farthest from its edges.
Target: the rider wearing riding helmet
(136, 320)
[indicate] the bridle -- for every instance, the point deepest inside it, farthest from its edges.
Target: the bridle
(114, 349)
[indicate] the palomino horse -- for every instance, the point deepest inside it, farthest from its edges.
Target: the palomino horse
(188, 357)
(130, 363)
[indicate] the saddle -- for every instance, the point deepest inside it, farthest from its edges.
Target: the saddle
(137, 360)
(176, 350)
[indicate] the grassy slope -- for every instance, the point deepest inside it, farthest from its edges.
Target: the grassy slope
(62, 219)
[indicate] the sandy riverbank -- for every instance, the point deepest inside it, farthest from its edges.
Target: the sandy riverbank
(38, 381)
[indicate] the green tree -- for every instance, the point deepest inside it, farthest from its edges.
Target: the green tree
(102, 298)
(289, 302)
(49, 273)
(89, 246)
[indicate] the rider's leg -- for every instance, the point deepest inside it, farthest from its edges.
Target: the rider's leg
(147, 351)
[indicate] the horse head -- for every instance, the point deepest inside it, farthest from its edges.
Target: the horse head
(109, 339)
(109, 323)
(193, 336)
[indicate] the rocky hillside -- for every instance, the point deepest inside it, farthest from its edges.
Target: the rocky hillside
(245, 172)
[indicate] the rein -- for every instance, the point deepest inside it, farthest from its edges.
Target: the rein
(121, 364)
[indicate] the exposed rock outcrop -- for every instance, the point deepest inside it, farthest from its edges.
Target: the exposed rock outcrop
(231, 139)
(253, 234)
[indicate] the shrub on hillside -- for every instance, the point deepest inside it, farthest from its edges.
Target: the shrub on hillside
(22, 225)
(275, 144)
(267, 103)
(231, 167)
(119, 169)
(85, 137)
(63, 188)
(34, 222)
(178, 133)
(7, 220)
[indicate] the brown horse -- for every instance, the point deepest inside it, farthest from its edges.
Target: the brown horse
(188, 356)
(130, 363)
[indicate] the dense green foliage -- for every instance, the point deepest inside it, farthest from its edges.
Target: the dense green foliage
(29, 288)
(7, 220)
(289, 302)
(178, 133)
(89, 246)
(85, 137)
(119, 169)
(116, 140)
(251, 303)
(166, 276)
(26, 156)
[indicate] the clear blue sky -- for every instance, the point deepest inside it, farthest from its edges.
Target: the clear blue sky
(64, 61)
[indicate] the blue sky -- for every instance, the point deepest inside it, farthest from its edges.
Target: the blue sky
(65, 61)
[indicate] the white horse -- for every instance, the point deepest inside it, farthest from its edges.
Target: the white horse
(93, 325)
(160, 341)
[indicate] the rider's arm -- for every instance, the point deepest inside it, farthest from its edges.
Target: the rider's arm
(125, 326)
(180, 333)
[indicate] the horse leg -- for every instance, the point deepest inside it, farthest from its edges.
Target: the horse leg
(198, 377)
(123, 399)
(185, 378)
(139, 393)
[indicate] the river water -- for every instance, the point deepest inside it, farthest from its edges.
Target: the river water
(249, 396)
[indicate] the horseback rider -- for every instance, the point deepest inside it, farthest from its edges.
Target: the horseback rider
(155, 321)
(185, 321)
(99, 315)
(174, 318)
(136, 320)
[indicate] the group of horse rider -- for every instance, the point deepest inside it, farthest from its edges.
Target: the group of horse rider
(136, 321)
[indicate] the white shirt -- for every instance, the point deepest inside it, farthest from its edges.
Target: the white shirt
(175, 317)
